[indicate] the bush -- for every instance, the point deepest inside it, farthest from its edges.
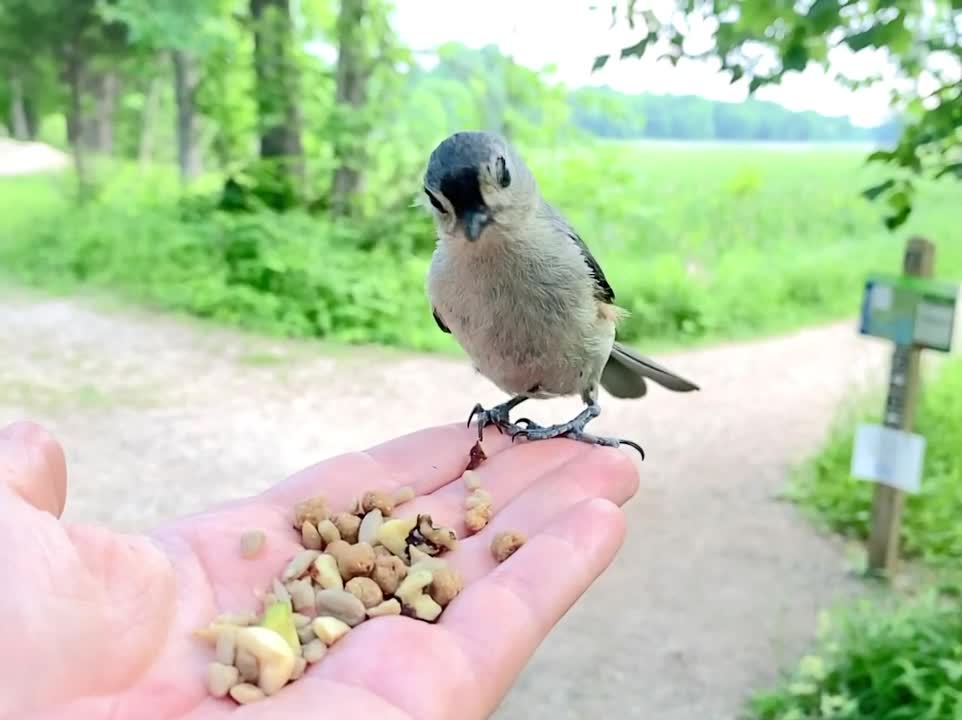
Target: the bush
(930, 522)
(699, 243)
(877, 664)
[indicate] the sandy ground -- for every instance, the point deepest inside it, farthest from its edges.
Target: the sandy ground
(716, 589)
(18, 158)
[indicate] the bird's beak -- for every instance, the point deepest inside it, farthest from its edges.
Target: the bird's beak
(474, 221)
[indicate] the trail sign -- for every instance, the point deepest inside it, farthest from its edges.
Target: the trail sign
(910, 310)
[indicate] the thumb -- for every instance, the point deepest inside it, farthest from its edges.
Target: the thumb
(32, 464)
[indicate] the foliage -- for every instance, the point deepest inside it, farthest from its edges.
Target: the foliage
(761, 41)
(930, 526)
(698, 244)
(878, 663)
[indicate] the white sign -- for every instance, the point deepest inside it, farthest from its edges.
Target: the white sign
(933, 324)
(888, 456)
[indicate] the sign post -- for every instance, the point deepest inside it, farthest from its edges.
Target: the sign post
(915, 313)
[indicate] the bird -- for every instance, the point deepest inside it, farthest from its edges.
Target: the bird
(518, 289)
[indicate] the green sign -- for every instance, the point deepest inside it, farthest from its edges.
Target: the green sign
(910, 311)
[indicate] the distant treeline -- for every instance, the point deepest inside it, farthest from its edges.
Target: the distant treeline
(518, 100)
(612, 114)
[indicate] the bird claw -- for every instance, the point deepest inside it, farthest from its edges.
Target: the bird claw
(497, 416)
(573, 430)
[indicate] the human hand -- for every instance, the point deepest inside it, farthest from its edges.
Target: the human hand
(98, 624)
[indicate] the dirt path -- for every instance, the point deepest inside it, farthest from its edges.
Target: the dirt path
(717, 587)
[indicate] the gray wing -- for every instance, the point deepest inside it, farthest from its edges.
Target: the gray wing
(603, 291)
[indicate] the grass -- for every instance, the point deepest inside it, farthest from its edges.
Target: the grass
(700, 243)
(877, 662)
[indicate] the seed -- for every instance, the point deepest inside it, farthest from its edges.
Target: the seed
(388, 607)
(280, 593)
(299, 564)
(367, 532)
(221, 678)
(314, 651)
(310, 538)
(305, 634)
(300, 665)
(478, 497)
(388, 573)
(252, 542)
(326, 574)
(355, 560)
(246, 664)
(275, 658)
(328, 532)
(329, 629)
(302, 595)
(300, 620)
(340, 604)
(225, 648)
(477, 517)
(393, 535)
(246, 693)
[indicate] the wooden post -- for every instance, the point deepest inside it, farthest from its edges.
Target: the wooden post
(903, 392)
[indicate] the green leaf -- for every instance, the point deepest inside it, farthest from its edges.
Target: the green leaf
(638, 49)
(600, 62)
(951, 169)
(873, 192)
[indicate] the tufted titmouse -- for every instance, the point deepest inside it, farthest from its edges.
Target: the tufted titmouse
(517, 287)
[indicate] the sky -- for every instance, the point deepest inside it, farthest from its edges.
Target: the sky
(569, 35)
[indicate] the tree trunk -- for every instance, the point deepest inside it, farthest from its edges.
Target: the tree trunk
(33, 121)
(185, 85)
(145, 147)
(107, 88)
(74, 71)
(351, 94)
(278, 92)
(18, 110)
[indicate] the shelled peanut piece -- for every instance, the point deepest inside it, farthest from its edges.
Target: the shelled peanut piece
(352, 567)
(477, 505)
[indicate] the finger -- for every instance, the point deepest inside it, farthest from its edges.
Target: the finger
(501, 620)
(599, 473)
(425, 460)
(504, 476)
(32, 465)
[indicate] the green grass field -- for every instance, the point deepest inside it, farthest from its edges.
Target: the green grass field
(700, 242)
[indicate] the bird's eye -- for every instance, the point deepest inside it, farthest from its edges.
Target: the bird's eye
(501, 168)
(434, 201)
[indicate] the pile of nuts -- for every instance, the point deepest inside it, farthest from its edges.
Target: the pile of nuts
(354, 566)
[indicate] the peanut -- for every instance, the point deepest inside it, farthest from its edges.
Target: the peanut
(246, 664)
(505, 544)
(275, 658)
(393, 535)
(226, 645)
(300, 665)
(365, 590)
(355, 560)
(302, 595)
(314, 651)
(312, 510)
(347, 526)
(388, 573)
(377, 500)
(328, 532)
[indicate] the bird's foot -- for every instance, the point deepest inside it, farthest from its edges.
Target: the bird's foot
(573, 429)
(497, 416)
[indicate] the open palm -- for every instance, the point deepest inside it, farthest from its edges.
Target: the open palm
(99, 624)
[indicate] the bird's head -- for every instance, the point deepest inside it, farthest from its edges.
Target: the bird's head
(475, 180)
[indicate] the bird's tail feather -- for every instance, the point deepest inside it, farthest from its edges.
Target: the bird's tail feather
(625, 372)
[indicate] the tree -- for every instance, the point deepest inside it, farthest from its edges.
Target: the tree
(278, 99)
(760, 41)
